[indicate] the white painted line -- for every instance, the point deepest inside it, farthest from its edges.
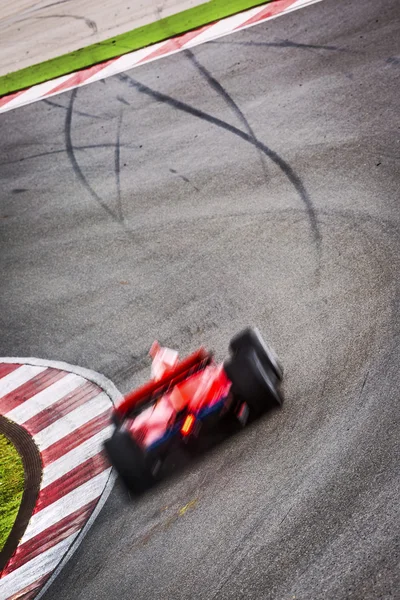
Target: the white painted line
(75, 457)
(34, 569)
(66, 505)
(45, 398)
(14, 380)
(125, 62)
(72, 421)
(224, 27)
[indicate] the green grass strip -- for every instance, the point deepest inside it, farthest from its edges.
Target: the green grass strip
(11, 487)
(126, 42)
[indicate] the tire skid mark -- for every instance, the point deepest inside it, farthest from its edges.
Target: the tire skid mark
(271, 154)
(61, 151)
(117, 166)
(75, 166)
(77, 112)
(216, 85)
(279, 44)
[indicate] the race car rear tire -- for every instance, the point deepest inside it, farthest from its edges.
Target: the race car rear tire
(253, 382)
(131, 464)
(250, 338)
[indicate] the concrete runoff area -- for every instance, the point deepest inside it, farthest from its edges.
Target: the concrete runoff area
(251, 181)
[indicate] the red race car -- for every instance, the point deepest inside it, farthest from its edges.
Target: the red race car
(186, 397)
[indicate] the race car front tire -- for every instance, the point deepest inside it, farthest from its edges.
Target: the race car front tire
(131, 464)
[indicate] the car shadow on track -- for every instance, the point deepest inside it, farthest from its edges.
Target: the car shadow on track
(186, 456)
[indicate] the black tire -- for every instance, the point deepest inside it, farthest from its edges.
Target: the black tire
(131, 464)
(251, 339)
(116, 419)
(253, 382)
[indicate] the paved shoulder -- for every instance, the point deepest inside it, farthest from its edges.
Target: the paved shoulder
(66, 411)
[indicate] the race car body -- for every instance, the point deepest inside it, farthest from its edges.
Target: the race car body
(194, 399)
(184, 397)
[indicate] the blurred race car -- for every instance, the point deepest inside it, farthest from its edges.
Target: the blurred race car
(186, 397)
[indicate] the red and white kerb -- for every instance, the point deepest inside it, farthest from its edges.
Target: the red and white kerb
(68, 418)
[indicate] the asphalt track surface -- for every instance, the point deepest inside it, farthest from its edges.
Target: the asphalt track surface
(253, 181)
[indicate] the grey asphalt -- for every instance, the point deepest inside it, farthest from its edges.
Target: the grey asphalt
(252, 181)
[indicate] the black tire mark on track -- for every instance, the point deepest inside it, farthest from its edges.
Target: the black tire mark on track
(117, 164)
(185, 179)
(77, 112)
(394, 61)
(123, 101)
(278, 44)
(271, 154)
(61, 151)
(75, 166)
(216, 85)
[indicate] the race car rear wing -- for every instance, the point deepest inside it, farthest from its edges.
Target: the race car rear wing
(151, 391)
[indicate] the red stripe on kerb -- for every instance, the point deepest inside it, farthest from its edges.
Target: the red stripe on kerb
(24, 392)
(6, 99)
(175, 43)
(71, 480)
(59, 409)
(50, 537)
(31, 590)
(274, 8)
(80, 77)
(6, 368)
(76, 438)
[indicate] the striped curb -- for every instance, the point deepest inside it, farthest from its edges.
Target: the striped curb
(128, 61)
(66, 410)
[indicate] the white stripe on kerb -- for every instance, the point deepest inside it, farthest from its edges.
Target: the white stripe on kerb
(14, 380)
(45, 398)
(224, 27)
(125, 62)
(40, 90)
(301, 4)
(66, 505)
(34, 569)
(287, 10)
(72, 421)
(75, 457)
